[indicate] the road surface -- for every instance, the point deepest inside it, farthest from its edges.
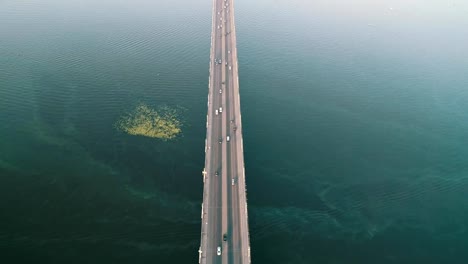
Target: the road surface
(224, 208)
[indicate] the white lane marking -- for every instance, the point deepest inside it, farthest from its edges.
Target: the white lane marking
(202, 211)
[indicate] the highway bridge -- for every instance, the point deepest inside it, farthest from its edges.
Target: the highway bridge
(225, 229)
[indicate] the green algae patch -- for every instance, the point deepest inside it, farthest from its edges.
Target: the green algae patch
(162, 123)
(139, 194)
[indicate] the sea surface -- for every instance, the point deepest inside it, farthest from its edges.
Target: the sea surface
(355, 130)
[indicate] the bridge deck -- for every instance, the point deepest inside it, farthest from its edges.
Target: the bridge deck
(224, 208)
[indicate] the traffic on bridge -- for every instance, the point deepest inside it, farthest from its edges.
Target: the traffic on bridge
(225, 231)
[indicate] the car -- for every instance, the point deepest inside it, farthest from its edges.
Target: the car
(216, 111)
(220, 109)
(233, 182)
(220, 91)
(229, 67)
(225, 237)
(229, 50)
(220, 140)
(232, 121)
(227, 138)
(226, 63)
(218, 251)
(216, 173)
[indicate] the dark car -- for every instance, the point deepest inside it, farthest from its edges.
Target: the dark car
(224, 237)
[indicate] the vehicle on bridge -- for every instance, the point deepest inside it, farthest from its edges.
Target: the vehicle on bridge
(220, 109)
(216, 173)
(220, 91)
(216, 111)
(229, 67)
(227, 138)
(233, 182)
(225, 237)
(218, 251)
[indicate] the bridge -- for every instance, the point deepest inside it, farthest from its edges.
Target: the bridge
(225, 229)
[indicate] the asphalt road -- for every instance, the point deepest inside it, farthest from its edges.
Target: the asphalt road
(224, 210)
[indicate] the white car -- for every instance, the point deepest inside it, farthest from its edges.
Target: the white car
(227, 138)
(216, 111)
(233, 182)
(229, 67)
(218, 251)
(220, 109)
(220, 91)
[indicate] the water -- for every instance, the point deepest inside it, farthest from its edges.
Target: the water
(355, 124)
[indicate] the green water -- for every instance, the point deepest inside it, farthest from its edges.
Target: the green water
(355, 130)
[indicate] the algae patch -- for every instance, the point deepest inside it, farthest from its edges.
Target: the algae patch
(162, 123)
(140, 194)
